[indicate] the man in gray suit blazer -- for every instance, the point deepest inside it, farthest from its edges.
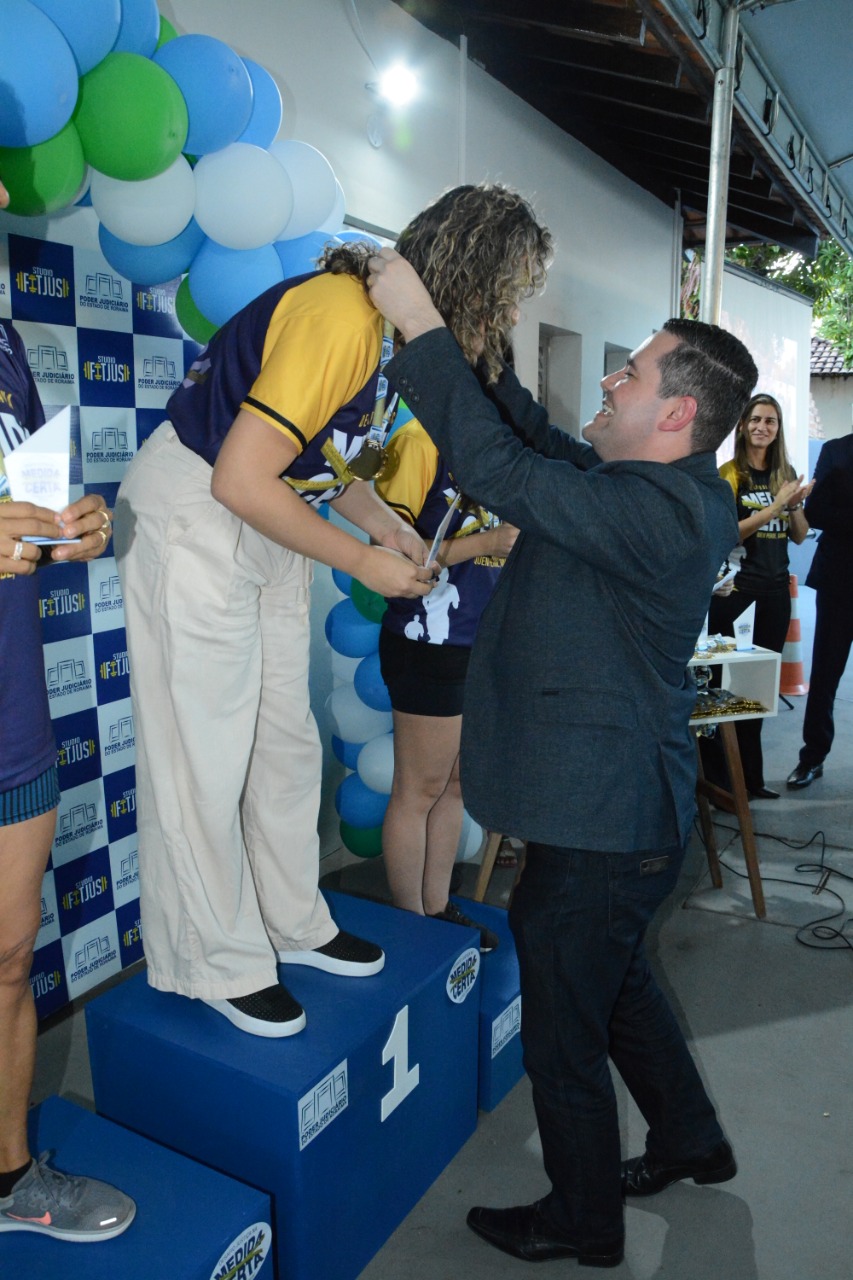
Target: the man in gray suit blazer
(829, 507)
(576, 735)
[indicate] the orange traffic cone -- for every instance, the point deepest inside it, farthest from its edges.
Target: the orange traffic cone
(791, 681)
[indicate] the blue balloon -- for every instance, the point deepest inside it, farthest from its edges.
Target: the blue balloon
(299, 256)
(85, 201)
(223, 281)
(153, 263)
(265, 120)
(370, 686)
(91, 28)
(140, 28)
(216, 86)
(346, 752)
(343, 581)
(347, 631)
(358, 805)
(38, 76)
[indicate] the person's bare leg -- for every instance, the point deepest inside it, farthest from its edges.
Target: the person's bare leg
(425, 754)
(24, 850)
(444, 827)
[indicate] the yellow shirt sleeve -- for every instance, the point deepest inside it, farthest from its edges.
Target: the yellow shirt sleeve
(322, 345)
(411, 470)
(728, 472)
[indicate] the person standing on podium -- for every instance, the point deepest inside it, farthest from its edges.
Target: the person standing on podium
(217, 526)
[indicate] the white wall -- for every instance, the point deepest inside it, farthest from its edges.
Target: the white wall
(775, 324)
(833, 401)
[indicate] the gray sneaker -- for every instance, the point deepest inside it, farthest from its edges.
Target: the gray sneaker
(65, 1206)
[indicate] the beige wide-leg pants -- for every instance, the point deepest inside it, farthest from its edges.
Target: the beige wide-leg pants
(228, 755)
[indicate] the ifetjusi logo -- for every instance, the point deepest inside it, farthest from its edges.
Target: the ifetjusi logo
(463, 975)
(245, 1256)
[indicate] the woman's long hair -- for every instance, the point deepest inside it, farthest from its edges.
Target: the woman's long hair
(479, 251)
(778, 463)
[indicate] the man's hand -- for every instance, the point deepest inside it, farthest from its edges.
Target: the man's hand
(396, 290)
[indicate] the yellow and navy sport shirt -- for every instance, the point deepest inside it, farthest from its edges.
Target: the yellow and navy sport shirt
(304, 357)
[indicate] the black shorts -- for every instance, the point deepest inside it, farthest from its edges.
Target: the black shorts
(423, 679)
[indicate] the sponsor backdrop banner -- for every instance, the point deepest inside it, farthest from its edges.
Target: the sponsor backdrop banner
(114, 352)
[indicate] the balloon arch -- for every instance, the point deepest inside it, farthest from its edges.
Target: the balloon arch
(173, 140)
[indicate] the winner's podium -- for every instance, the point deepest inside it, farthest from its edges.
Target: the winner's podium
(190, 1224)
(347, 1123)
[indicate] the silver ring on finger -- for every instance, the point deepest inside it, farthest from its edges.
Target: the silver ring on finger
(18, 552)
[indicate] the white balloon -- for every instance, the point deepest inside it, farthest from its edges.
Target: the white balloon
(335, 220)
(315, 187)
(244, 197)
(343, 668)
(376, 763)
(470, 839)
(150, 211)
(352, 719)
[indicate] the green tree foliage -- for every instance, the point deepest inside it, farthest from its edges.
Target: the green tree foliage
(826, 279)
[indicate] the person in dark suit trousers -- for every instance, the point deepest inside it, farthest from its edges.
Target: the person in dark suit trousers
(829, 508)
(576, 733)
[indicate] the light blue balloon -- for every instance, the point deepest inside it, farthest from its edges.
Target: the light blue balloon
(152, 263)
(358, 805)
(370, 686)
(223, 281)
(299, 256)
(346, 752)
(91, 27)
(265, 120)
(347, 631)
(140, 27)
(38, 76)
(401, 417)
(216, 86)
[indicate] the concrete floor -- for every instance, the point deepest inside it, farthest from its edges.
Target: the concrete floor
(771, 1025)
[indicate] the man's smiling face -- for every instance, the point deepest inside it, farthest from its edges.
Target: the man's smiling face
(631, 405)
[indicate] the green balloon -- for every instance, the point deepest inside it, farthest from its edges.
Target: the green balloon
(46, 177)
(364, 842)
(131, 117)
(167, 33)
(189, 317)
(369, 603)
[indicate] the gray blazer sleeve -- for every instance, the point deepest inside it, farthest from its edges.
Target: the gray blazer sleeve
(635, 520)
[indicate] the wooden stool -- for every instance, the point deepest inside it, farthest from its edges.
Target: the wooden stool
(490, 854)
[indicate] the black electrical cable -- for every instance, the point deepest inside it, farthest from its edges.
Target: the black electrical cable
(826, 937)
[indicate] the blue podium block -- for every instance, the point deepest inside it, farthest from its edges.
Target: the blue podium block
(499, 1056)
(190, 1222)
(345, 1124)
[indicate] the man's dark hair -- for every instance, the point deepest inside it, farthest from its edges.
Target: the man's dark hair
(715, 368)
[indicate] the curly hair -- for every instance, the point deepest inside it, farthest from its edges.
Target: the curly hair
(479, 251)
(778, 463)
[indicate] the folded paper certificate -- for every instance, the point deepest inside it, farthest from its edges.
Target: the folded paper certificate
(442, 530)
(38, 469)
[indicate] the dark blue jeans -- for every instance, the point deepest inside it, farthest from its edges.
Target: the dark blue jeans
(579, 919)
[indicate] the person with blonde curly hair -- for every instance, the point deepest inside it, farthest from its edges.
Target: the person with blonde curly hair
(217, 526)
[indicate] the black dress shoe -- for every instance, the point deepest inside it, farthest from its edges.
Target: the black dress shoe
(763, 793)
(645, 1176)
(525, 1233)
(803, 776)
